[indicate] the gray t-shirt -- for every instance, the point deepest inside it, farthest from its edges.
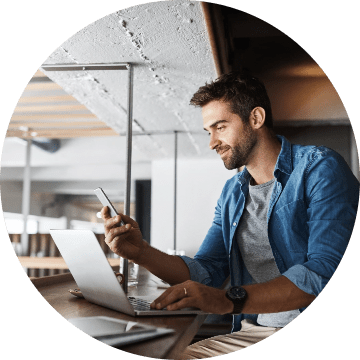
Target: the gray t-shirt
(252, 237)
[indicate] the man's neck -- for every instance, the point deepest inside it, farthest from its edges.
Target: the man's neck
(262, 163)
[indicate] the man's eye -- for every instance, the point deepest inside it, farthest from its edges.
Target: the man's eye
(220, 128)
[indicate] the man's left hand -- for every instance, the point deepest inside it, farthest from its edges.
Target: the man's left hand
(194, 294)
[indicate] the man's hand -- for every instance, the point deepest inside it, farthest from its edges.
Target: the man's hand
(125, 240)
(194, 294)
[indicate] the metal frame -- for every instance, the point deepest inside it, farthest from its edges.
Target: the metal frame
(78, 67)
(354, 157)
(111, 66)
(175, 184)
(25, 206)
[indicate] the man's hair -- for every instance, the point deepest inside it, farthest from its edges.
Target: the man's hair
(241, 90)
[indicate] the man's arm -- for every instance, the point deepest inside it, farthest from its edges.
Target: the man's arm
(277, 295)
(169, 268)
(127, 242)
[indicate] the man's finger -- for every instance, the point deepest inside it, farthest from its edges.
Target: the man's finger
(111, 222)
(105, 213)
(170, 296)
(109, 240)
(161, 297)
(128, 220)
(181, 304)
(116, 231)
(166, 293)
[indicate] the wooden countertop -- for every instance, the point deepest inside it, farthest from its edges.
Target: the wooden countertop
(55, 290)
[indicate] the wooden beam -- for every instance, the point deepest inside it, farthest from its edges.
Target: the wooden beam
(62, 134)
(46, 99)
(50, 108)
(216, 33)
(54, 124)
(39, 73)
(43, 86)
(49, 117)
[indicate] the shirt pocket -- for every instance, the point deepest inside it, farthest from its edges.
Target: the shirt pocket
(291, 222)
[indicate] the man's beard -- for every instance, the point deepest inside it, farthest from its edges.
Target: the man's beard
(241, 152)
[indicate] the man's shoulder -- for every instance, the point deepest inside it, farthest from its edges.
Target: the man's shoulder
(321, 162)
(307, 155)
(303, 151)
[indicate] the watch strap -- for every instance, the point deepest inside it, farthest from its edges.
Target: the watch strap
(238, 308)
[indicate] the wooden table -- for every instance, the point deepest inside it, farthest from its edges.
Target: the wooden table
(55, 290)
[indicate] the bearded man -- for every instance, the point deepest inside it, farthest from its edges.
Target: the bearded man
(280, 229)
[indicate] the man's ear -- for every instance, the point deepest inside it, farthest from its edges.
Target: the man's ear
(257, 118)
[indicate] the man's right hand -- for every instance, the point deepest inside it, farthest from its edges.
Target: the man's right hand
(125, 240)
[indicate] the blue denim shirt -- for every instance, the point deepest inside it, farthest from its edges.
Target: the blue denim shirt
(310, 219)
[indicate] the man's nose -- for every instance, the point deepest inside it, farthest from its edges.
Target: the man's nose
(214, 143)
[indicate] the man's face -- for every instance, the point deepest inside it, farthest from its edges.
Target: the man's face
(229, 136)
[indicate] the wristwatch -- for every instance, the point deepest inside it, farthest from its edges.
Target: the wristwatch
(238, 296)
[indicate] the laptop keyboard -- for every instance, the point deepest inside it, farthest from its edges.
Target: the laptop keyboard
(140, 304)
(144, 305)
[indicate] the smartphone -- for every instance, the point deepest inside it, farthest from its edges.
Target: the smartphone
(99, 192)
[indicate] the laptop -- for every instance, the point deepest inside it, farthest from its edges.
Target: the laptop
(96, 279)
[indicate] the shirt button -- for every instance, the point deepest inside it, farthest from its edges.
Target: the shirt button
(234, 224)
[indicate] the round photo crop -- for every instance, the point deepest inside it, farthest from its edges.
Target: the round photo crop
(217, 134)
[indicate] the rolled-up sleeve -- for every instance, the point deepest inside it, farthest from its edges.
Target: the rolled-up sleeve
(305, 279)
(197, 272)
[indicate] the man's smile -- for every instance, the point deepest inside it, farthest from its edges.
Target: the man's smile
(223, 153)
(223, 150)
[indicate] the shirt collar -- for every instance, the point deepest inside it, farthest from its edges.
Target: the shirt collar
(283, 164)
(244, 176)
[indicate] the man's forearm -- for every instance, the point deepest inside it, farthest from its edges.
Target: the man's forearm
(169, 268)
(277, 295)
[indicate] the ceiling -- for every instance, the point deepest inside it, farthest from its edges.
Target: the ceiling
(45, 110)
(167, 44)
(175, 47)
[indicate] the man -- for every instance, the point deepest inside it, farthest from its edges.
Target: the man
(280, 229)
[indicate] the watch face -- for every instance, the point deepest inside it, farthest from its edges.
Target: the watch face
(237, 292)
